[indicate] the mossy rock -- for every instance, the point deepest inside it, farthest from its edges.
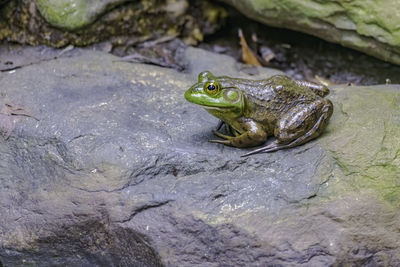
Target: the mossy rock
(78, 22)
(368, 26)
(73, 14)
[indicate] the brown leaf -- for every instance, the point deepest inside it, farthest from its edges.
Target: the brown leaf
(163, 53)
(248, 56)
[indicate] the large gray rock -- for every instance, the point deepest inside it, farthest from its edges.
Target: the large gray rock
(118, 172)
(368, 26)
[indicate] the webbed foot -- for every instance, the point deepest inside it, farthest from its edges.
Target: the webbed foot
(224, 136)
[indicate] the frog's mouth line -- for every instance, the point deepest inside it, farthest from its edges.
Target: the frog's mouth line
(216, 108)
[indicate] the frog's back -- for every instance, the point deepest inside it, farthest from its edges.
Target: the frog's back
(278, 91)
(270, 98)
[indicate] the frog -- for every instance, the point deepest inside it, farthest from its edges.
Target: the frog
(292, 111)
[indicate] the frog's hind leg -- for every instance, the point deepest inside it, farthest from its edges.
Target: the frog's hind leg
(286, 133)
(318, 89)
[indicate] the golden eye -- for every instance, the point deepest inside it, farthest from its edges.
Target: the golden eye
(211, 88)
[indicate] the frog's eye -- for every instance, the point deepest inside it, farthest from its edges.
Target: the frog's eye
(211, 88)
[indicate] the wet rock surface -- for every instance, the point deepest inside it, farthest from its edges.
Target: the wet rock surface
(367, 26)
(118, 171)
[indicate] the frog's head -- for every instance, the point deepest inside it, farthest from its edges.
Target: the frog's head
(211, 95)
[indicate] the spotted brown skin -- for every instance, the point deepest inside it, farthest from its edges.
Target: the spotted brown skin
(295, 112)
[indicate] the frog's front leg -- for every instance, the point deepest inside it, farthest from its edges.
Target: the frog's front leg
(228, 129)
(253, 135)
(300, 125)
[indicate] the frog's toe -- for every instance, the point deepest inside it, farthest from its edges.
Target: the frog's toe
(227, 137)
(269, 148)
(224, 142)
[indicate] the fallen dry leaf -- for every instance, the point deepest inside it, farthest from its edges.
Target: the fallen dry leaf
(248, 56)
(165, 53)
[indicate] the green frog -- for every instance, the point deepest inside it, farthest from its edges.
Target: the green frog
(293, 111)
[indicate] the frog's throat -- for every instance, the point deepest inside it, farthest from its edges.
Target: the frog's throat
(237, 109)
(228, 114)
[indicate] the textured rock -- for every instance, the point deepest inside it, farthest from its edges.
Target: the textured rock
(73, 14)
(118, 172)
(125, 23)
(368, 26)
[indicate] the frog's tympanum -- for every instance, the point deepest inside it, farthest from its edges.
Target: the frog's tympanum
(293, 111)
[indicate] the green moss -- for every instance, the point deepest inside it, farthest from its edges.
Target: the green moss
(84, 22)
(70, 15)
(363, 139)
(393, 196)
